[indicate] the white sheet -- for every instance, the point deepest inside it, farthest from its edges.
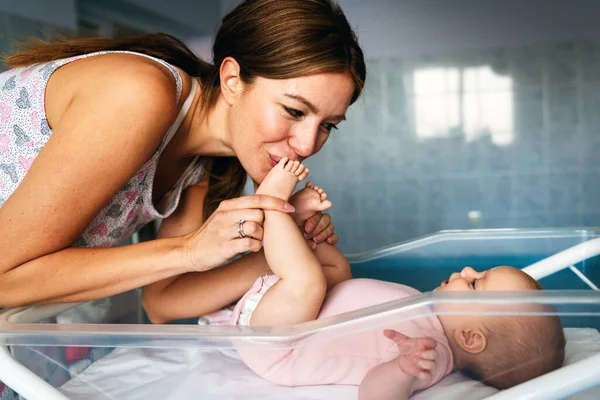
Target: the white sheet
(177, 374)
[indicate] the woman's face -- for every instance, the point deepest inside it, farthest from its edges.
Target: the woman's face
(276, 118)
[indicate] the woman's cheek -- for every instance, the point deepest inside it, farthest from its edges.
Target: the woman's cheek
(272, 125)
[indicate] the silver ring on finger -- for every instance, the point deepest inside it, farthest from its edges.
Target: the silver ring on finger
(240, 228)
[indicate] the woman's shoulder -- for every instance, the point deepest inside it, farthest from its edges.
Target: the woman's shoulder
(133, 82)
(124, 72)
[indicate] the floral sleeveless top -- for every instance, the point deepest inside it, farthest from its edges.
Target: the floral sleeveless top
(24, 131)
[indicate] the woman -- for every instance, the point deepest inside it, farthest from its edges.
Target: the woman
(100, 136)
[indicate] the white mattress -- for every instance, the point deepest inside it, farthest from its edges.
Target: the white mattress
(170, 374)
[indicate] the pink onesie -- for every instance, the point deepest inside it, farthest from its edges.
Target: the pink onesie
(345, 361)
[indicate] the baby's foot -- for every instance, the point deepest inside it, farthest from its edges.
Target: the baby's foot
(282, 179)
(308, 202)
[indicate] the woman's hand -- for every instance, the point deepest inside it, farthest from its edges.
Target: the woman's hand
(320, 229)
(219, 239)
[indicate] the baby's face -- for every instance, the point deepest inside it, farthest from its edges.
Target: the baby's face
(499, 278)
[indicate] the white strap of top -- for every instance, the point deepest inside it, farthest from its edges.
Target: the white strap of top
(182, 113)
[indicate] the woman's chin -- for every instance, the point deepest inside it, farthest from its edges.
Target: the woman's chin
(258, 177)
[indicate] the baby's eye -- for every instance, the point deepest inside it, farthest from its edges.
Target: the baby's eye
(293, 112)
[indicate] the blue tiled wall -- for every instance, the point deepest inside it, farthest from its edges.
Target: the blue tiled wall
(502, 138)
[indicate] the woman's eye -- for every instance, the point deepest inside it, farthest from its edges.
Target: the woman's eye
(293, 112)
(329, 127)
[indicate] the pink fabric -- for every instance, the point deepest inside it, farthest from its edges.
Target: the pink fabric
(313, 361)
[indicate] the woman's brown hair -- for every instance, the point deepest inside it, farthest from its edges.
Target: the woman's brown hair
(275, 39)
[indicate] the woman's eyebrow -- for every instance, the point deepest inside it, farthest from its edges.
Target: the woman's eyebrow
(311, 106)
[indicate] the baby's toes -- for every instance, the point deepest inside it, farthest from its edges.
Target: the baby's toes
(323, 196)
(300, 169)
(296, 167)
(324, 205)
(288, 164)
(303, 174)
(283, 163)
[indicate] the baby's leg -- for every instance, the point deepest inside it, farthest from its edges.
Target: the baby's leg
(307, 202)
(298, 295)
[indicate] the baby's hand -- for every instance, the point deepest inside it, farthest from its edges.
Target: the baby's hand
(417, 356)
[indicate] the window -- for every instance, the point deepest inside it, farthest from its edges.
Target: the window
(472, 102)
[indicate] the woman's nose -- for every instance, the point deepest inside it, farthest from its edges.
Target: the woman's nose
(304, 143)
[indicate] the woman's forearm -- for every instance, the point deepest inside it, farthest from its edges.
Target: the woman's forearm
(83, 274)
(198, 293)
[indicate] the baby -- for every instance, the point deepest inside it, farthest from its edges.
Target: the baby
(501, 351)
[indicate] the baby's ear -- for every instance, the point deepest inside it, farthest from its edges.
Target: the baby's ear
(471, 340)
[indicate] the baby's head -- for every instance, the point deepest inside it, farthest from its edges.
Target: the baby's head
(502, 351)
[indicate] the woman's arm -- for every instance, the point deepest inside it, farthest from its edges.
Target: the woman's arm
(198, 293)
(104, 131)
(105, 135)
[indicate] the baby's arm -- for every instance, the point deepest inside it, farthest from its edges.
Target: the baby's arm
(399, 378)
(386, 382)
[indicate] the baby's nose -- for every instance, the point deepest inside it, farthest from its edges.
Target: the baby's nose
(468, 272)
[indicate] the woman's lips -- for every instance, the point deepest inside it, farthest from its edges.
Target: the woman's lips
(273, 160)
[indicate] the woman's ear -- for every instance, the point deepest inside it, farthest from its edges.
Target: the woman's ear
(470, 340)
(231, 81)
